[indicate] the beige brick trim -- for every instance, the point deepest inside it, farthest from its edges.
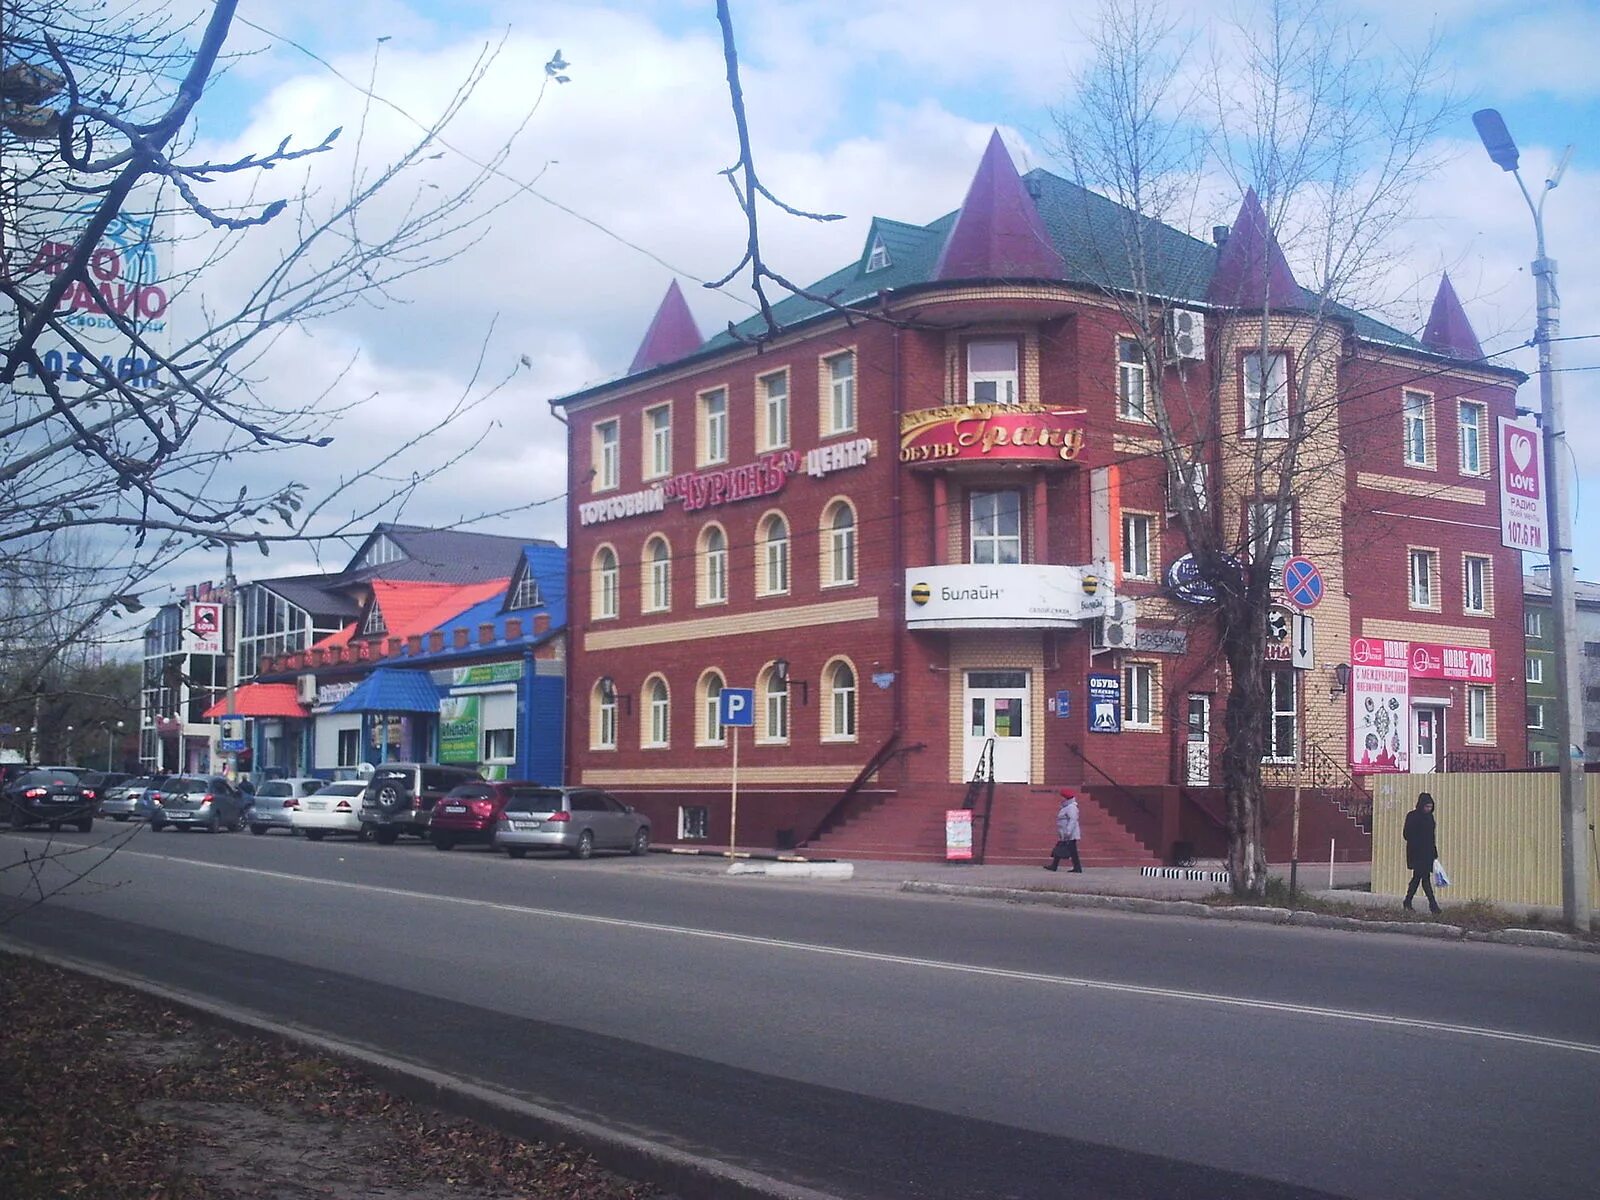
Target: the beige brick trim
(701, 778)
(1419, 631)
(764, 621)
(1127, 443)
(1420, 488)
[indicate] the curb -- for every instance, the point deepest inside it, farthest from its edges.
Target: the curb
(795, 870)
(678, 1172)
(1547, 939)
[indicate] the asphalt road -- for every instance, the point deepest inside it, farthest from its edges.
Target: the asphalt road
(872, 1044)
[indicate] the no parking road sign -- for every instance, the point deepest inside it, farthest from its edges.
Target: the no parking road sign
(736, 707)
(1302, 582)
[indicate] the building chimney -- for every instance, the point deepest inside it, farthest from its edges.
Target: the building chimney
(414, 644)
(1219, 235)
(460, 636)
(486, 633)
(541, 623)
(435, 642)
(513, 628)
(394, 645)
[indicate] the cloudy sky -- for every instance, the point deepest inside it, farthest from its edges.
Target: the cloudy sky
(859, 107)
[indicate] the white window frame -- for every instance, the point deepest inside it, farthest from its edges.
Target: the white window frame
(374, 624)
(1133, 375)
(608, 584)
(658, 425)
(1139, 555)
(658, 575)
(1416, 412)
(1005, 381)
(1266, 399)
(697, 829)
(1535, 714)
(840, 546)
(1140, 681)
(843, 711)
(506, 754)
(607, 455)
(774, 410)
(1478, 714)
(713, 426)
(657, 713)
(605, 725)
(840, 392)
(1477, 585)
(1260, 518)
(1477, 464)
(1534, 672)
(1277, 679)
(773, 568)
(714, 568)
(1533, 622)
(775, 710)
(526, 593)
(1002, 548)
(878, 256)
(711, 730)
(1422, 591)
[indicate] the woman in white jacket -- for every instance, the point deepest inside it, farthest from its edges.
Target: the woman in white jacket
(1067, 831)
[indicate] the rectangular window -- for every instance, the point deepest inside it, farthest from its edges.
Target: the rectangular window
(660, 716)
(1418, 408)
(1133, 382)
(1266, 396)
(1261, 529)
(996, 527)
(1536, 757)
(1590, 695)
(1139, 695)
(349, 747)
(1283, 732)
(607, 455)
(694, 822)
(992, 372)
(1535, 673)
(775, 410)
(1591, 649)
(1535, 716)
(714, 426)
(1424, 574)
(1137, 558)
(658, 421)
(1533, 623)
(1477, 576)
(777, 714)
(1477, 713)
(1470, 424)
(840, 373)
(500, 743)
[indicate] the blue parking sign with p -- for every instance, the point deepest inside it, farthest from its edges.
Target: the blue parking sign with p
(737, 707)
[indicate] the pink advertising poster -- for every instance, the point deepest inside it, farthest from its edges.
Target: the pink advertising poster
(1380, 707)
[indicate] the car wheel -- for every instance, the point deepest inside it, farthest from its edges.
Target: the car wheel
(316, 835)
(386, 837)
(641, 842)
(443, 841)
(157, 826)
(258, 830)
(517, 851)
(367, 833)
(86, 824)
(585, 846)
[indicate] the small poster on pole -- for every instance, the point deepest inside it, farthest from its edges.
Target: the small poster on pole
(958, 835)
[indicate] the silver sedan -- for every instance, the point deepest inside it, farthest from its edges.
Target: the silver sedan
(577, 820)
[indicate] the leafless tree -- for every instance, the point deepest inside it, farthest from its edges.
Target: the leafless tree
(1334, 132)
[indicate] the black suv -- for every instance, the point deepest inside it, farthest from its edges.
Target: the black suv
(400, 797)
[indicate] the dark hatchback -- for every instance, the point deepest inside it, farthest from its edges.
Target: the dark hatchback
(49, 796)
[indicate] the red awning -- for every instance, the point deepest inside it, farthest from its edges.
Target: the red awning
(261, 700)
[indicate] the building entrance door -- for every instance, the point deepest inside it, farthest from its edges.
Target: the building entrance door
(1197, 748)
(997, 707)
(1427, 739)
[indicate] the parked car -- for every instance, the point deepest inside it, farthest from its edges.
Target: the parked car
(471, 812)
(577, 820)
(400, 798)
(95, 784)
(51, 796)
(336, 808)
(275, 801)
(121, 801)
(188, 802)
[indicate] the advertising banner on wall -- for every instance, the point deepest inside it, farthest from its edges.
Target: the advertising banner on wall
(458, 729)
(1005, 596)
(1522, 489)
(202, 628)
(1380, 707)
(991, 433)
(1105, 703)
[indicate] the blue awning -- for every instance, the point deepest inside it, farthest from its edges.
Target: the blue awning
(388, 690)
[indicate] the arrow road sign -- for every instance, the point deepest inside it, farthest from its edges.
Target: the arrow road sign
(1302, 582)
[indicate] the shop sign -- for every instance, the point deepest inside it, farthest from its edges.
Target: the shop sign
(1161, 641)
(458, 729)
(1380, 705)
(483, 673)
(838, 456)
(1425, 660)
(1105, 704)
(991, 433)
(1186, 583)
(1522, 489)
(1004, 596)
(633, 504)
(231, 731)
(202, 628)
(331, 693)
(707, 489)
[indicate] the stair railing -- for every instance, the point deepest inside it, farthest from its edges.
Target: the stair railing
(982, 784)
(873, 765)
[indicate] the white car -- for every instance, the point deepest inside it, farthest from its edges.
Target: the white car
(335, 808)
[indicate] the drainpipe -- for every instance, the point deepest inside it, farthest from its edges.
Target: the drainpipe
(572, 635)
(898, 565)
(524, 766)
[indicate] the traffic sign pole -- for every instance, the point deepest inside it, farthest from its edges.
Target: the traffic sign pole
(733, 819)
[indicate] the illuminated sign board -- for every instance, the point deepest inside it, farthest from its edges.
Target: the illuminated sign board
(991, 433)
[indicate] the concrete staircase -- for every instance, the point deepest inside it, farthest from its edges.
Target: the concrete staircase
(909, 827)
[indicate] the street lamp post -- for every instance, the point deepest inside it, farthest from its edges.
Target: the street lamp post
(111, 734)
(1575, 832)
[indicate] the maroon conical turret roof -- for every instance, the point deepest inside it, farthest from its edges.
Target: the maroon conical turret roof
(1449, 331)
(1251, 270)
(998, 233)
(672, 334)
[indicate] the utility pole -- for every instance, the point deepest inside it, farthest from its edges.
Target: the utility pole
(230, 634)
(1575, 830)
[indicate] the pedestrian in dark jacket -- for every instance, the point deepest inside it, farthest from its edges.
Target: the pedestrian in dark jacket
(1422, 848)
(1067, 832)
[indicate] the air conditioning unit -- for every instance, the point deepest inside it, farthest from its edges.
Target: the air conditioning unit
(1186, 335)
(1190, 475)
(1118, 629)
(307, 689)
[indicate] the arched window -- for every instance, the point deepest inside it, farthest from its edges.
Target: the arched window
(658, 575)
(713, 565)
(838, 544)
(772, 563)
(708, 722)
(839, 678)
(773, 687)
(603, 721)
(607, 584)
(656, 724)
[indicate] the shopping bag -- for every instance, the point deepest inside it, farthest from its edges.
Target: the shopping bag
(1440, 879)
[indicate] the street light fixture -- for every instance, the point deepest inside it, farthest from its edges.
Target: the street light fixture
(1502, 148)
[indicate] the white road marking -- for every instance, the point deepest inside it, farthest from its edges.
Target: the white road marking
(902, 960)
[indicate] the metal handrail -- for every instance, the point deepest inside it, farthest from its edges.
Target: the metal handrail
(982, 781)
(873, 765)
(1109, 778)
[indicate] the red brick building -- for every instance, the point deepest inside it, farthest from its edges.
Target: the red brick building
(917, 540)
